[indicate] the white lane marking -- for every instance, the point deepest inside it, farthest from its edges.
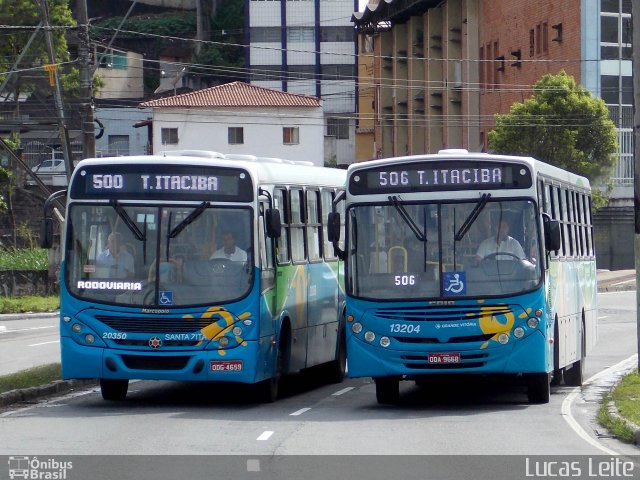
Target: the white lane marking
(343, 391)
(43, 343)
(26, 329)
(265, 435)
(2, 328)
(602, 318)
(299, 412)
(566, 404)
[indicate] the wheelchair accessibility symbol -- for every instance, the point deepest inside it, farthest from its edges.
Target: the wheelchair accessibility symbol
(455, 283)
(166, 297)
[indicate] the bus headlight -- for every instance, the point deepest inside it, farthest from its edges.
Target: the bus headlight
(237, 331)
(369, 336)
(66, 319)
(248, 322)
(89, 338)
(503, 338)
(385, 342)
(223, 342)
(518, 332)
(533, 322)
(356, 327)
(76, 327)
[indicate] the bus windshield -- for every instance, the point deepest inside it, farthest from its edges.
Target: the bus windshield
(416, 250)
(163, 256)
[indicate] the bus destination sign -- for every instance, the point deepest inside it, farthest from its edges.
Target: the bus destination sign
(177, 182)
(440, 176)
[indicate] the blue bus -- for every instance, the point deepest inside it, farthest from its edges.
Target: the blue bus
(470, 263)
(198, 266)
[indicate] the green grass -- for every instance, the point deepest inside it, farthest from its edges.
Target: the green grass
(29, 303)
(626, 397)
(32, 377)
(24, 259)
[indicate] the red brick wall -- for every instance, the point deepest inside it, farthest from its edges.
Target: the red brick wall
(506, 24)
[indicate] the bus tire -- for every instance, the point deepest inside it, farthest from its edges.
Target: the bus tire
(114, 390)
(557, 371)
(387, 390)
(573, 375)
(337, 369)
(268, 390)
(538, 387)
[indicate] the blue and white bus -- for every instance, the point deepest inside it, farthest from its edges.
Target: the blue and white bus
(199, 266)
(435, 286)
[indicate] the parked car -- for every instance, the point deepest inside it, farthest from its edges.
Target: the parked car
(54, 165)
(51, 171)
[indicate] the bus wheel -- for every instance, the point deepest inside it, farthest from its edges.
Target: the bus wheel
(538, 387)
(573, 376)
(387, 390)
(337, 368)
(115, 390)
(268, 389)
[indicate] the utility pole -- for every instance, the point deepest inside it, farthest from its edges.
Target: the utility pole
(54, 81)
(635, 18)
(86, 82)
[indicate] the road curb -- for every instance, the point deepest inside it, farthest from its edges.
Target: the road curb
(613, 411)
(53, 388)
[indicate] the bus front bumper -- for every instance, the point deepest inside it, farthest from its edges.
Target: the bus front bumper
(238, 364)
(526, 355)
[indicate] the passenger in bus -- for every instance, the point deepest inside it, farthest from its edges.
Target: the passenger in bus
(229, 250)
(116, 258)
(500, 242)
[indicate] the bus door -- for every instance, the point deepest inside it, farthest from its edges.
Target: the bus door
(322, 289)
(266, 264)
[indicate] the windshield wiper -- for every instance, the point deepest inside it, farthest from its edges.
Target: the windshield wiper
(131, 225)
(407, 218)
(190, 218)
(472, 216)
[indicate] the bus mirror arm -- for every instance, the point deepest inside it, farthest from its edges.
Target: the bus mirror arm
(552, 239)
(46, 225)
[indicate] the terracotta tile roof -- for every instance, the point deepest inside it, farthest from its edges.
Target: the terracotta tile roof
(235, 94)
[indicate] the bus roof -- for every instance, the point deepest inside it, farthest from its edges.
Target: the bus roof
(267, 170)
(537, 166)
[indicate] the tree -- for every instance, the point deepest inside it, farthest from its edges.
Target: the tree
(561, 124)
(25, 16)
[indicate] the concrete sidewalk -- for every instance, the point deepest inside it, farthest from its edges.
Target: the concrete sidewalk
(616, 280)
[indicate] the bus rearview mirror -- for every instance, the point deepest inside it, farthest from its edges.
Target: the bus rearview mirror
(551, 234)
(46, 232)
(333, 227)
(274, 227)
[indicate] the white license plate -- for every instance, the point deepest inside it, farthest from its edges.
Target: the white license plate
(443, 358)
(225, 366)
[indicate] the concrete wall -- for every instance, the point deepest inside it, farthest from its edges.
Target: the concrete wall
(205, 129)
(614, 237)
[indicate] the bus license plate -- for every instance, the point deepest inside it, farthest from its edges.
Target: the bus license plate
(225, 365)
(444, 358)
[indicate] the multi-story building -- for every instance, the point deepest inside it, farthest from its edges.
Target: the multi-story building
(443, 69)
(308, 47)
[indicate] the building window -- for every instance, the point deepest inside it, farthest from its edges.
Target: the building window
(265, 35)
(290, 135)
(300, 34)
(119, 145)
(236, 135)
(338, 127)
(169, 136)
(337, 34)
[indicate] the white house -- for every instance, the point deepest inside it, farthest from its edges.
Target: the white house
(240, 118)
